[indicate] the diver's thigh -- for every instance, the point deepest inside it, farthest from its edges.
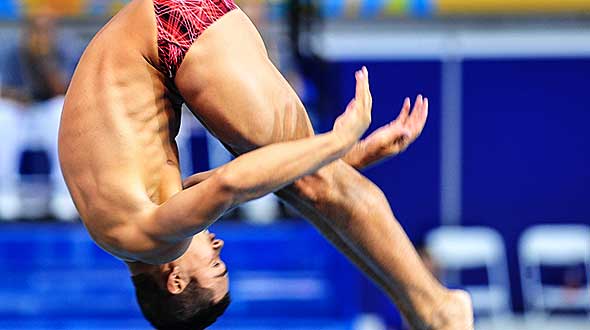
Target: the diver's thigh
(230, 84)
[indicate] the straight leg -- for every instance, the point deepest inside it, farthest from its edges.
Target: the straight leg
(355, 216)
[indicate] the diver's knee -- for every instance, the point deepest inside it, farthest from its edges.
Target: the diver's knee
(327, 185)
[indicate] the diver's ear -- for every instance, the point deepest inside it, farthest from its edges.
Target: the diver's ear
(177, 281)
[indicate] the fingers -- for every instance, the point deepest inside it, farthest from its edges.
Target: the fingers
(368, 96)
(418, 104)
(404, 113)
(366, 73)
(417, 119)
(421, 118)
(363, 92)
(360, 85)
(404, 117)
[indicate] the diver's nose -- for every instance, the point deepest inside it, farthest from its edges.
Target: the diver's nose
(218, 243)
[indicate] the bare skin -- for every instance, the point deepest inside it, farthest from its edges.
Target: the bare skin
(120, 161)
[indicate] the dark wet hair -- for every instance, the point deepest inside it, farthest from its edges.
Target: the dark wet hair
(193, 309)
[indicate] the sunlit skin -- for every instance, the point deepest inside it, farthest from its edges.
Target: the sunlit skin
(120, 161)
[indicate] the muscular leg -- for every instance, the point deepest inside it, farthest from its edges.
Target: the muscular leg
(354, 214)
(231, 85)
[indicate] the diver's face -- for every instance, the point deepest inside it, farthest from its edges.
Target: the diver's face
(202, 263)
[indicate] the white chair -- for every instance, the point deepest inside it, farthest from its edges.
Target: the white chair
(457, 248)
(553, 245)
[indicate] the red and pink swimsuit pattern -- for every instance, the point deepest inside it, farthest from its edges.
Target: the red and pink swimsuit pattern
(180, 23)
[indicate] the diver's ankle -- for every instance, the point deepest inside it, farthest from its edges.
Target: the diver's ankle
(455, 312)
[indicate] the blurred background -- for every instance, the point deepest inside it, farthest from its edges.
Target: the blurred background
(494, 194)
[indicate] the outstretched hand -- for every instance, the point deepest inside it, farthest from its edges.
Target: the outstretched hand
(354, 122)
(393, 138)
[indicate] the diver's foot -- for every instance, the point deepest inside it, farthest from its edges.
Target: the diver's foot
(456, 312)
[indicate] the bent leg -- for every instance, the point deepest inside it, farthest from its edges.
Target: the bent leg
(229, 83)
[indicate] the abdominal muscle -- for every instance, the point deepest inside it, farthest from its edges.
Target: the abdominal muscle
(116, 138)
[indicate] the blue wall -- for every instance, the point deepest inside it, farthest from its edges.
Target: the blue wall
(526, 147)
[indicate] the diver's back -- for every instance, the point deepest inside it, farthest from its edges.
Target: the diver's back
(116, 142)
